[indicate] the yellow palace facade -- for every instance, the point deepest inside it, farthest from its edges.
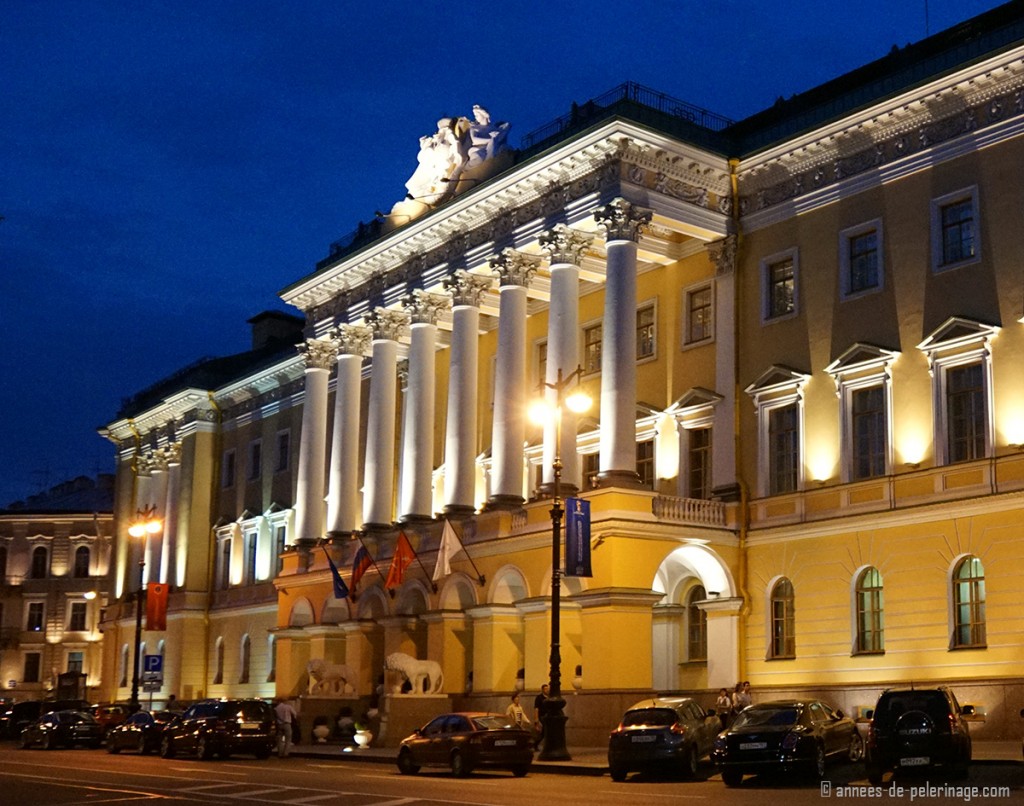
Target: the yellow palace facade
(803, 335)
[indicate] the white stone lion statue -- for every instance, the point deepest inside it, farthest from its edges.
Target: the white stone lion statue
(423, 675)
(329, 678)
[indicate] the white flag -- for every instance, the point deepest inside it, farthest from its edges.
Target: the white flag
(450, 546)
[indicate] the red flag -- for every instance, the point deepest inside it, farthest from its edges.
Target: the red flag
(156, 606)
(404, 555)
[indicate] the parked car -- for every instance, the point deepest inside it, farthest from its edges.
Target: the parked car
(464, 741)
(109, 715)
(670, 734)
(785, 736)
(142, 732)
(918, 729)
(211, 728)
(17, 716)
(63, 729)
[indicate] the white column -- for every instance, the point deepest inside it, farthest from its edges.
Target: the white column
(460, 446)
(622, 224)
(379, 472)
(415, 494)
(509, 432)
(343, 481)
(320, 355)
(565, 248)
(723, 448)
(171, 509)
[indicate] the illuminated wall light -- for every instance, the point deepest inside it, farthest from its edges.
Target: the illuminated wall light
(821, 466)
(666, 448)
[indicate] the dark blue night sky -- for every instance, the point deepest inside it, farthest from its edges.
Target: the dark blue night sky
(169, 165)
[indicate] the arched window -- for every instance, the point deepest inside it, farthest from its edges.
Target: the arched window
(696, 625)
(870, 612)
(969, 603)
(783, 623)
(218, 675)
(40, 563)
(81, 562)
(244, 657)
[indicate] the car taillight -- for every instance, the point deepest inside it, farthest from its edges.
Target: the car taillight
(678, 728)
(954, 724)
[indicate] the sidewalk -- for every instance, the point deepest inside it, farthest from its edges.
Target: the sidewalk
(594, 760)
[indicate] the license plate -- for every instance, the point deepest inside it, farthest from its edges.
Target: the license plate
(645, 738)
(915, 761)
(753, 745)
(250, 725)
(505, 743)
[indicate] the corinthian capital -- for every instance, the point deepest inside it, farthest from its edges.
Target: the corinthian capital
(723, 254)
(425, 308)
(565, 245)
(466, 288)
(387, 324)
(352, 339)
(319, 353)
(514, 268)
(622, 221)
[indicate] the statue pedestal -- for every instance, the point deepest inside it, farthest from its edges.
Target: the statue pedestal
(401, 714)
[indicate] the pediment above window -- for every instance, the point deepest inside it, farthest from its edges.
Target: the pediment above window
(958, 333)
(777, 380)
(861, 360)
(695, 398)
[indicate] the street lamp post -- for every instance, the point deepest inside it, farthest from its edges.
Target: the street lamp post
(553, 711)
(146, 523)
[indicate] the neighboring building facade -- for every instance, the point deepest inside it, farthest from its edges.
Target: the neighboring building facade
(54, 574)
(804, 337)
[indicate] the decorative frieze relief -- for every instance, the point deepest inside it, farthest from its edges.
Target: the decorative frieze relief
(838, 162)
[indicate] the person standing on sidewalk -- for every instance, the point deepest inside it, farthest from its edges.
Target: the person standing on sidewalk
(538, 706)
(516, 713)
(286, 720)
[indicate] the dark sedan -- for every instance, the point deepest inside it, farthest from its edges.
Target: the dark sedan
(141, 732)
(63, 729)
(785, 736)
(211, 728)
(464, 741)
(669, 734)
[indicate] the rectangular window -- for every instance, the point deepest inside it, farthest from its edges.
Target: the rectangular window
(783, 449)
(591, 466)
(645, 332)
(965, 412)
(32, 666)
(255, 459)
(860, 258)
(645, 462)
(698, 315)
(77, 616)
(280, 536)
(698, 471)
(957, 222)
(282, 451)
(75, 661)
(780, 288)
(868, 430)
(227, 470)
(36, 615)
(225, 565)
(251, 545)
(542, 361)
(592, 349)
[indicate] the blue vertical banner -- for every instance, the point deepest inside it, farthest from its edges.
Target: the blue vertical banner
(577, 538)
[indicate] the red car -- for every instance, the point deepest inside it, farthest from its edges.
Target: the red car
(464, 741)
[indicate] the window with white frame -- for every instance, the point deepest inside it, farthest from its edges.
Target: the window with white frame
(592, 349)
(870, 613)
(698, 462)
(782, 613)
(860, 259)
(959, 353)
(645, 331)
(954, 229)
(541, 362)
(863, 380)
(645, 462)
(224, 564)
(696, 625)
(699, 315)
(251, 554)
(969, 603)
(779, 285)
(778, 397)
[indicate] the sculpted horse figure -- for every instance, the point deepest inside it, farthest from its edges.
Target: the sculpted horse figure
(423, 675)
(329, 678)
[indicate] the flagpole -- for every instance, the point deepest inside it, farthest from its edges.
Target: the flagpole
(462, 543)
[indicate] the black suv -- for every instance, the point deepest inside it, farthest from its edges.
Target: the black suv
(918, 729)
(221, 727)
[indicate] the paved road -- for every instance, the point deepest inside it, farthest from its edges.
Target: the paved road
(55, 778)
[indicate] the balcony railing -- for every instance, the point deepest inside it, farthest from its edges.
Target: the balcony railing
(696, 511)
